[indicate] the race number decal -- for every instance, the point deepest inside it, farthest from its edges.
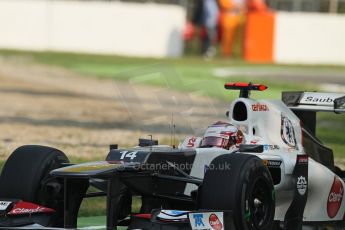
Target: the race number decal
(128, 154)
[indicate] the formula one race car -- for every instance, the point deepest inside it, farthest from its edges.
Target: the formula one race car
(262, 169)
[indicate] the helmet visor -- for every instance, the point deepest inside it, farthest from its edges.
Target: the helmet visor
(214, 142)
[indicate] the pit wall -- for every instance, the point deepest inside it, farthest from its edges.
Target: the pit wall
(117, 28)
(298, 38)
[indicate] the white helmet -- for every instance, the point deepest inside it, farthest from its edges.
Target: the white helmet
(222, 135)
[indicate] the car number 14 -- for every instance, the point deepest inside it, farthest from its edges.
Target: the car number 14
(128, 154)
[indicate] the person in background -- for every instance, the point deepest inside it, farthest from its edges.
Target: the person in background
(205, 19)
(231, 12)
(210, 22)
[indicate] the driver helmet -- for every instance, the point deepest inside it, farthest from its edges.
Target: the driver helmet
(222, 135)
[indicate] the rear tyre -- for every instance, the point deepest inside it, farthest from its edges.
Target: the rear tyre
(340, 225)
(25, 176)
(243, 184)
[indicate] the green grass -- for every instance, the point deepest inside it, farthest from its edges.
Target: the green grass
(330, 130)
(188, 74)
(94, 221)
(91, 221)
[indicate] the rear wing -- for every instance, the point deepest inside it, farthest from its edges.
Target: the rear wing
(315, 101)
(306, 104)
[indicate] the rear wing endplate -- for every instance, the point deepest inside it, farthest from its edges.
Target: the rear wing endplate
(315, 101)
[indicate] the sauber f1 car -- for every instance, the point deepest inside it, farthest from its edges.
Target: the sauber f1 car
(277, 175)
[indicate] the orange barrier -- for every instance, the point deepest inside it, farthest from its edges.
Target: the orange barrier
(259, 37)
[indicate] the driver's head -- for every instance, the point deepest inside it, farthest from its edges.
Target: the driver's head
(223, 135)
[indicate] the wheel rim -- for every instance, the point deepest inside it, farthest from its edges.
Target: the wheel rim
(260, 204)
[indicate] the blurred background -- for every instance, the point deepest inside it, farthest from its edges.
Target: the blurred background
(80, 75)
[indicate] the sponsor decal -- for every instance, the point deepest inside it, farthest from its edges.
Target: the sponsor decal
(302, 159)
(272, 163)
(270, 147)
(191, 142)
(176, 212)
(4, 205)
(335, 197)
(198, 220)
(172, 215)
(319, 99)
(22, 208)
(259, 107)
(206, 220)
(288, 132)
(215, 223)
(312, 98)
(301, 185)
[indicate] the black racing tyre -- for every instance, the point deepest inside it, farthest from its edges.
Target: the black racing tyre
(339, 225)
(26, 170)
(243, 184)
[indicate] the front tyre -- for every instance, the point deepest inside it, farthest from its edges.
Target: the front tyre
(25, 176)
(243, 184)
